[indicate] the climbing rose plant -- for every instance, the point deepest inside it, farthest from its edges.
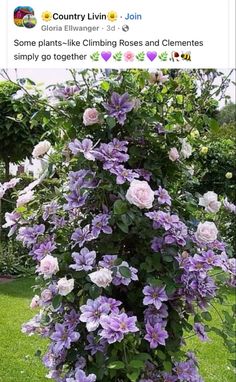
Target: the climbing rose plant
(120, 268)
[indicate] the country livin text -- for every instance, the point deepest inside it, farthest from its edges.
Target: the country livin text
(106, 43)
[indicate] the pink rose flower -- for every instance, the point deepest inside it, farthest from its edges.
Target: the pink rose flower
(65, 286)
(129, 56)
(90, 117)
(140, 194)
(41, 149)
(206, 232)
(46, 295)
(101, 278)
(210, 201)
(173, 154)
(48, 266)
(35, 302)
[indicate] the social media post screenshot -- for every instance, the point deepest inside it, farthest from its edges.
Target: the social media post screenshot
(117, 191)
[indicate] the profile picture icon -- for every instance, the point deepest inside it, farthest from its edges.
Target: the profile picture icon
(24, 17)
(29, 21)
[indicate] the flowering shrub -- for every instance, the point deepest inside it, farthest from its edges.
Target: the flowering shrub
(121, 264)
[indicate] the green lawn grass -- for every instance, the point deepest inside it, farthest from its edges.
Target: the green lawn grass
(213, 357)
(17, 360)
(19, 364)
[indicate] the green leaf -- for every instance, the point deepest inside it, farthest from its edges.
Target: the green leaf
(105, 86)
(214, 125)
(207, 316)
(117, 365)
(94, 291)
(167, 365)
(126, 219)
(56, 301)
(133, 376)
(125, 272)
(136, 364)
(124, 228)
(142, 356)
(160, 354)
(119, 207)
(111, 122)
(179, 99)
(197, 318)
(70, 297)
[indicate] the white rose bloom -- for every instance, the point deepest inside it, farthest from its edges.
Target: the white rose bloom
(101, 278)
(41, 148)
(25, 198)
(206, 232)
(48, 266)
(65, 286)
(210, 201)
(186, 149)
(35, 302)
(173, 154)
(140, 194)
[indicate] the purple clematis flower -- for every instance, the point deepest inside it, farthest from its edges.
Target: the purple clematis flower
(43, 249)
(81, 235)
(82, 179)
(84, 260)
(75, 200)
(12, 220)
(95, 344)
(72, 319)
(100, 224)
(92, 312)
(76, 179)
(29, 235)
(65, 92)
(163, 196)
(187, 371)
(108, 261)
(80, 376)
(154, 296)
(119, 106)
(85, 147)
(123, 174)
(143, 173)
(115, 326)
(119, 145)
(157, 244)
(156, 335)
(154, 316)
(197, 264)
(110, 155)
(63, 337)
(200, 331)
(119, 279)
(163, 219)
(50, 210)
(168, 377)
(113, 304)
(210, 258)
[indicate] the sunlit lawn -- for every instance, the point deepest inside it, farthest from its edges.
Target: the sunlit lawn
(19, 364)
(17, 360)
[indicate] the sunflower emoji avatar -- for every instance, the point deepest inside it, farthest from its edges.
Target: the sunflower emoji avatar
(46, 16)
(112, 16)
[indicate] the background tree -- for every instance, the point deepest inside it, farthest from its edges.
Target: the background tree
(18, 132)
